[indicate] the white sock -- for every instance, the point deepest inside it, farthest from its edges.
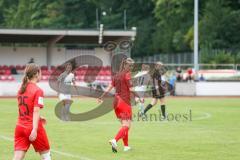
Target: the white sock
(46, 156)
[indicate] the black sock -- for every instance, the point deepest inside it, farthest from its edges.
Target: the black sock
(147, 108)
(163, 110)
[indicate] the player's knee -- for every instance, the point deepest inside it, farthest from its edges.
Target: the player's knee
(154, 102)
(18, 157)
(46, 156)
(162, 101)
(127, 123)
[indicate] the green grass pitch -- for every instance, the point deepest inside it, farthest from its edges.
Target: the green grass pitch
(213, 133)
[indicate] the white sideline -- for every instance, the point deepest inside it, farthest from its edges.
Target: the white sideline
(53, 150)
(6, 138)
(205, 116)
(70, 155)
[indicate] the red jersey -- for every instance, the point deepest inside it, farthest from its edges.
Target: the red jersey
(189, 71)
(122, 85)
(32, 97)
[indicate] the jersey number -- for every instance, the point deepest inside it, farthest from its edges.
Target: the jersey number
(22, 103)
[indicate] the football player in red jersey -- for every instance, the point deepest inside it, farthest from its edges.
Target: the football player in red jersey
(122, 105)
(29, 128)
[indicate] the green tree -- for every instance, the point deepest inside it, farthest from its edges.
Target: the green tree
(139, 14)
(174, 20)
(162, 25)
(75, 14)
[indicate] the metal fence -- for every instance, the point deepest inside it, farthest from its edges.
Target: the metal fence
(185, 66)
(176, 58)
(183, 60)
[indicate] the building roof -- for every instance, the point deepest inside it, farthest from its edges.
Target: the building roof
(63, 36)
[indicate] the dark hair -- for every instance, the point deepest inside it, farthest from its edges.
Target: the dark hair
(30, 71)
(72, 63)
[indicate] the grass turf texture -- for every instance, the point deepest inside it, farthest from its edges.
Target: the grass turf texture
(214, 138)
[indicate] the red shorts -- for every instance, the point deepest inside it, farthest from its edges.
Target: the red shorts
(122, 109)
(22, 143)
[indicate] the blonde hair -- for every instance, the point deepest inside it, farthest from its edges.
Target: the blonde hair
(30, 71)
(124, 62)
(159, 63)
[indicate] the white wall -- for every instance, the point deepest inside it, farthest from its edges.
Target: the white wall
(185, 89)
(58, 56)
(208, 89)
(104, 56)
(20, 56)
(11, 88)
(98, 52)
(9, 56)
(218, 89)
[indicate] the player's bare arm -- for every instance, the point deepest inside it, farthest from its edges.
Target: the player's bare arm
(36, 117)
(110, 87)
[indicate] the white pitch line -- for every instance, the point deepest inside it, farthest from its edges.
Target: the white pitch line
(205, 116)
(70, 155)
(53, 150)
(6, 138)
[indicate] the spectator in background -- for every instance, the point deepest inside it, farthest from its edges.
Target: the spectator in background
(14, 70)
(172, 81)
(179, 74)
(201, 78)
(190, 75)
(31, 60)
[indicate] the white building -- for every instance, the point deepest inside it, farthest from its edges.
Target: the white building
(48, 47)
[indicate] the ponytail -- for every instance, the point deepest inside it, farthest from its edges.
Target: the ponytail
(24, 84)
(122, 65)
(30, 71)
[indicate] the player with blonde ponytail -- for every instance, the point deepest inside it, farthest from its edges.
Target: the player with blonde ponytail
(122, 106)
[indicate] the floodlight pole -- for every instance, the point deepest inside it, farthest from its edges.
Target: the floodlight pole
(125, 19)
(196, 65)
(97, 18)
